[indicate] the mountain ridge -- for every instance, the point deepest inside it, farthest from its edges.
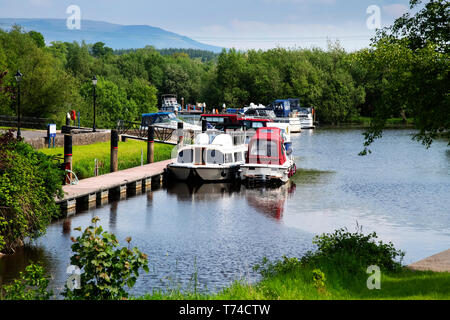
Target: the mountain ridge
(116, 36)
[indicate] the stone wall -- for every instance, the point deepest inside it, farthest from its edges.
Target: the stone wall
(80, 139)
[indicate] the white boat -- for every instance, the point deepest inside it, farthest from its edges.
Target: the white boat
(267, 160)
(293, 122)
(305, 116)
(260, 111)
(214, 156)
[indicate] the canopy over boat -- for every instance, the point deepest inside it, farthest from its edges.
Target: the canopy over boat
(267, 147)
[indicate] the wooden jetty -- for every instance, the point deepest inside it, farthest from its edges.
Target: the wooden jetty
(99, 190)
(439, 263)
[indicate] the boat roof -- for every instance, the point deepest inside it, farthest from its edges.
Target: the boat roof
(255, 119)
(268, 133)
(219, 115)
(155, 114)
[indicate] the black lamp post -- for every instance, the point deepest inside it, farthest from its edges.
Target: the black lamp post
(94, 82)
(18, 76)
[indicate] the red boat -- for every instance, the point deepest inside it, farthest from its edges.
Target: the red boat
(267, 160)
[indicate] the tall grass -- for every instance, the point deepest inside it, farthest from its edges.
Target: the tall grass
(129, 156)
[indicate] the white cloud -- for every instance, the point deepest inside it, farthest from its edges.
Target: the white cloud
(247, 34)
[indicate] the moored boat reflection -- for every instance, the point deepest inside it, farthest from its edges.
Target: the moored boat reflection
(269, 201)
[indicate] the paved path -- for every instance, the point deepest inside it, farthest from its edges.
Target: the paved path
(439, 262)
(114, 179)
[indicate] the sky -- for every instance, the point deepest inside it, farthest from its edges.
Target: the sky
(242, 24)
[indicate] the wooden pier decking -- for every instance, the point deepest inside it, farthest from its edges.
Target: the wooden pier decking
(439, 262)
(98, 190)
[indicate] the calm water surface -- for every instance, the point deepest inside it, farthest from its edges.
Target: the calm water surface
(219, 231)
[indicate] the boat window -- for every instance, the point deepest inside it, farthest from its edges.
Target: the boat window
(238, 156)
(264, 148)
(257, 124)
(185, 156)
(228, 158)
(214, 157)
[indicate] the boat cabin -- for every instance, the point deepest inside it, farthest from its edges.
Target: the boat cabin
(267, 147)
(254, 123)
(221, 121)
(281, 107)
(157, 117)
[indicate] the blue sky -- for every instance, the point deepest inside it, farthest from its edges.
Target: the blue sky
(242, 24)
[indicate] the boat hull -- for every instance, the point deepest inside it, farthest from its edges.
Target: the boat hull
(307, 123)
(267, 173)
(204, 172)
(216, 174)
(181, 173)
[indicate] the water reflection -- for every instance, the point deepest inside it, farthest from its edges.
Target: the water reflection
(201, 191)
(269, 201)
(12, 265)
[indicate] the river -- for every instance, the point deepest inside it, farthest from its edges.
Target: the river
(217, 232)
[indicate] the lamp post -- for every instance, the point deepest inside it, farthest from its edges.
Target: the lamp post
(94, 82)
(18, 77)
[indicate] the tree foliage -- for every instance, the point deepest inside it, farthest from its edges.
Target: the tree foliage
(407, 72)
(105, 270)
(29, 183)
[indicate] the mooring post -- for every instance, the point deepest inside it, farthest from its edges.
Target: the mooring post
(204, 125)
(180, 134)
(150, 144)
(68, 156)
(114, 163)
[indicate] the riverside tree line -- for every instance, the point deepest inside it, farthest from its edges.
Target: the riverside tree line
(404, 73)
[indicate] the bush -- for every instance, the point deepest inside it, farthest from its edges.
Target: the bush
(31, 285)
(339, 251)
(29, 183)
(105, 270)
(355, 250)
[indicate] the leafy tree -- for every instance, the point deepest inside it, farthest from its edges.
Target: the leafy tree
(143, 94)
(409, 66)
(105, 269)
(38, 38)
(430, 24)
(29, 183)
(99, 50)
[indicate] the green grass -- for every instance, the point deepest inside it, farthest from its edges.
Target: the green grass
(337, 270)
(340, 284)
(129, 156)
(15, 129)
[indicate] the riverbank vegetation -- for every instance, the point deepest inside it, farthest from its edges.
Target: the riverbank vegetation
(403, 74)
(129, 156)
(343, 266)
(29, 182)
(337, 270)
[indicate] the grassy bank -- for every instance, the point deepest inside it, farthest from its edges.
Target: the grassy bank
(129, 156)
(336, 271)
(339, 285)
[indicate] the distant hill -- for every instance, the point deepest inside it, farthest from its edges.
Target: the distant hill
(113, 35)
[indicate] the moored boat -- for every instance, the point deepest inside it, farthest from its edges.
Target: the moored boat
(267, 160)
(214, 156)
